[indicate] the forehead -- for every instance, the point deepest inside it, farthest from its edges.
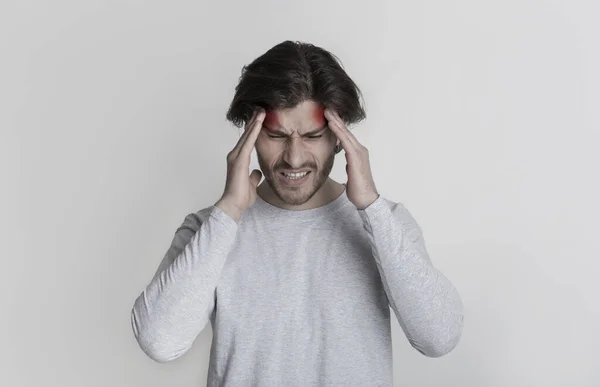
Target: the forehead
(305, 116)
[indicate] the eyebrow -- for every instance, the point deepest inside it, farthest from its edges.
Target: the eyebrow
(311, 133)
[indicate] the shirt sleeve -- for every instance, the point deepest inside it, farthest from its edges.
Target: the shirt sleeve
(177, 303)
(426, 304)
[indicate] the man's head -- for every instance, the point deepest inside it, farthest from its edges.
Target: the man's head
(294, 82)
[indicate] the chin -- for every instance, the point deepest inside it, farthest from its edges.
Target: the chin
(295, 195)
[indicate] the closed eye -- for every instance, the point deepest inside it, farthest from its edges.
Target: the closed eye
(311, 137)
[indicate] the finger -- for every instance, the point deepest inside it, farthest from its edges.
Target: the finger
(346, 138)
(252, 119)
(244, 135)
(340, 126)
(253, 133)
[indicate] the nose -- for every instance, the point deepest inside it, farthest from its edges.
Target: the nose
(294, 152)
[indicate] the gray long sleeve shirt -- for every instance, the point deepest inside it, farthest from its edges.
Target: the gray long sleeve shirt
(298, 298)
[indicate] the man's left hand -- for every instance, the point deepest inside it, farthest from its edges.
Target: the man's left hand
(360, 187)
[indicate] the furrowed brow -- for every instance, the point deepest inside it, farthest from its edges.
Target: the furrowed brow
(311, 133)
(316, 131)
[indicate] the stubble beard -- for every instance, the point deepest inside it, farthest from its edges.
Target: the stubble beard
(297, 195)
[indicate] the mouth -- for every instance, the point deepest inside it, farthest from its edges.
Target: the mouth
(294, 179)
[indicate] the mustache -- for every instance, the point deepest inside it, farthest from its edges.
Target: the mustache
(286, 166)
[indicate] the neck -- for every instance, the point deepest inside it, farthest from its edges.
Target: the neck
(328, 192)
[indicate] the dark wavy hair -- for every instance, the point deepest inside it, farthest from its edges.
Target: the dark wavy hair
(293, 72)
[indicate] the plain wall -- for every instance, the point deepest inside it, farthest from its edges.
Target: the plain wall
(483, 120)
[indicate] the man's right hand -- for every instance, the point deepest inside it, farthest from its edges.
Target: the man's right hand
(240, 188)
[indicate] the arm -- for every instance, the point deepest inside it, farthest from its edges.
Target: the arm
(176, 305)
(426, 304)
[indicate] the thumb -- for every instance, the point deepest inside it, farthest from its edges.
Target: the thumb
(255, 177)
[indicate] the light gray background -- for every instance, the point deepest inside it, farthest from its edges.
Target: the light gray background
(483, 119)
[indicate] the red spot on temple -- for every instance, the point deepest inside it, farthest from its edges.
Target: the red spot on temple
(271, 122)
(319, 116)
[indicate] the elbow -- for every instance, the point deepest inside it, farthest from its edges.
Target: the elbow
(158, 353)
(151, 344)
(441, 344)
(434, 350)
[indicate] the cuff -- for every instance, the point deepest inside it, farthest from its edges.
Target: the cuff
(376, 209)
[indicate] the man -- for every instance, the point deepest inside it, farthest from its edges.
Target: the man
(297, 275)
